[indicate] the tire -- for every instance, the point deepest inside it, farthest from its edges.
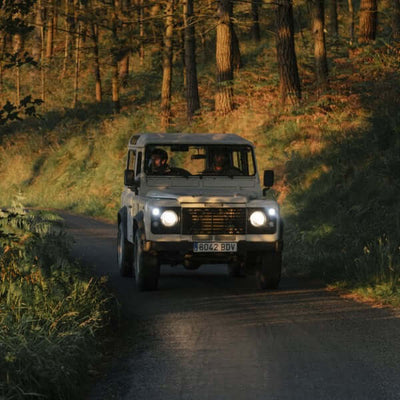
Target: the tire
(146, 266)
(235, 270)
(124, 252)
(268, 270)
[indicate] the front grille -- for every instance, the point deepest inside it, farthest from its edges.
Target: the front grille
(213, 221)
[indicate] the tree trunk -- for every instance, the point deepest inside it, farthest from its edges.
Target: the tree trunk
(115, 70)
(352, 21)
(236, 56)
(224, 94)
(124, 69)
(141, 31)
(37, 35)
(69, 26)
(181, 28)
(167, 66)
(321, 64)
(396, 20)
(333, 27)
(368, 21)
(42, 64)
(96, 66)
(2, 52)
(77, 65)
(255, 25)
(50, 31)
(192, 91)
(287, 62)
(18, 46)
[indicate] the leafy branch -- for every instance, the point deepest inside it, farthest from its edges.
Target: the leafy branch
(11, 112)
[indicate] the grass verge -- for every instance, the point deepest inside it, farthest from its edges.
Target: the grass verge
(52, 312)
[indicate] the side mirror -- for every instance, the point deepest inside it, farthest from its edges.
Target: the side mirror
(129, 178)
(268, 178)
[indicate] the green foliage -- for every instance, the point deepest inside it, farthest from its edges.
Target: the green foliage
(51, 310)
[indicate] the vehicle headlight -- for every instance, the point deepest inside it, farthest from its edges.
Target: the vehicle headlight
(169, 218)
(272, 212)
(155, 211)
(258, 218)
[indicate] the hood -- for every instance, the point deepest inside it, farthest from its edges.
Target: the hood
(191, 195)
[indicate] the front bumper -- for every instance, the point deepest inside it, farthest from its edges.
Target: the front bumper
(177, 252)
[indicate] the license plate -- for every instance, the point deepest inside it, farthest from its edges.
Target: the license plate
(214, 247)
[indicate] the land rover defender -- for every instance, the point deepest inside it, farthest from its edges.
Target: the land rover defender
(196, 199)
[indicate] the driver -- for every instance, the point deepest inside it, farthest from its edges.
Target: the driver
(158, 162)
(220, 165)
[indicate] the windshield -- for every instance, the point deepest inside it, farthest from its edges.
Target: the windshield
(199, 160)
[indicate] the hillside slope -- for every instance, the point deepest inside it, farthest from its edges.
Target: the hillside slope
(337, 158)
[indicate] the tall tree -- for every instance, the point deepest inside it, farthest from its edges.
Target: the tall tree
(333, 26)
(37, 32)
(3, 43)
(94, 35)
(68, 32)
(192, 91)
(396, 19)
(115, 56)
(167, 64)
(224, 94)
(236, 55)
(125, 42)
(352, 21)
(255, 20)
(141, 30)
(368, 21)
(77, 63)
(18, 46)
(51, 10)
(318, 28)
(290, 89)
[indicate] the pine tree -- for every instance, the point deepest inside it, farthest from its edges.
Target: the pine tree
(368, 21)
(333, 27)
(290, 89)
(318, 28)
(167, 64)
(255, 21)
(224, 94)
(192, 91)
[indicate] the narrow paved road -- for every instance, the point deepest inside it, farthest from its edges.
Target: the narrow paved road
(206, 336)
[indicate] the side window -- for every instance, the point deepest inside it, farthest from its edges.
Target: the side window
(250, 162)
(236, 160)
(131, 160)
(139, 163)
(243, 160)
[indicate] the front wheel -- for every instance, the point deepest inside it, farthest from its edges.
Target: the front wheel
(146, 266)
(124, 253)
(268, 270)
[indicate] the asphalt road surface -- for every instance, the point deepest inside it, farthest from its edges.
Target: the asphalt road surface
(204, 335)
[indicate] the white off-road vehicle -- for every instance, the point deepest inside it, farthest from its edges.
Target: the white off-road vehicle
(196, 199)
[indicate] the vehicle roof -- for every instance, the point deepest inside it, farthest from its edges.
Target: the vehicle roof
(187, 138)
